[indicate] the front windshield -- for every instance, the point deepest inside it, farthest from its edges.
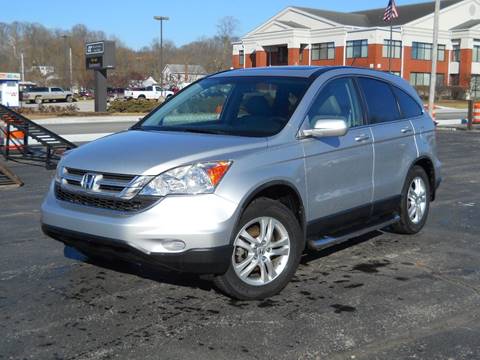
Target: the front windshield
(244, 106)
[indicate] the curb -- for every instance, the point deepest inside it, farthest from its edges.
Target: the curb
(87, 120)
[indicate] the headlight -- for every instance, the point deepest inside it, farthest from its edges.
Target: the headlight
(58, 174)
(201, 178)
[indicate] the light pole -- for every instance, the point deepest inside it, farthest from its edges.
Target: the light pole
(65, 61)
(433, 76)
(161, 19)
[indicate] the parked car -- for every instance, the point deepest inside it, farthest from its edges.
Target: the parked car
(45, 94)
(239, 173)
(154, 92)
(115, 93)
(86, 94)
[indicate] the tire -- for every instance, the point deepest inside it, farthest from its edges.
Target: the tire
(276, 255)
(141, 97)
(69, 99)
(38, 100)
(418, 186)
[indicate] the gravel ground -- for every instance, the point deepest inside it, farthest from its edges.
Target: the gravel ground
(381, 296)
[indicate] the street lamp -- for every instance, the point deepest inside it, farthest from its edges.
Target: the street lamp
(161, 19)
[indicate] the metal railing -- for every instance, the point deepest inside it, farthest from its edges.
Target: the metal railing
(24, 139)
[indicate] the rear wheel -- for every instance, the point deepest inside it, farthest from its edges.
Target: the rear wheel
(141, 97)
(69, 99)
(415, 202)
(267, 247)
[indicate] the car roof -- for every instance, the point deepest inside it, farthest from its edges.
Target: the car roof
(312, 72)
(288, 71)
(299, 71)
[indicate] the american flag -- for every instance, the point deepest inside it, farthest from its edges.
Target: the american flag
(391, 11)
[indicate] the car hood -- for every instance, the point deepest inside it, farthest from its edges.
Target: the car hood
(138, 152)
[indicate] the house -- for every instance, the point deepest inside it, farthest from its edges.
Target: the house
(306, 36)
(178, 73)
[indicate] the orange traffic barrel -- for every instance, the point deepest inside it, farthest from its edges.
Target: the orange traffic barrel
(16, 139)
(476, 113)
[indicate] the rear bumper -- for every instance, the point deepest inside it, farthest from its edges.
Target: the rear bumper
(199, 261)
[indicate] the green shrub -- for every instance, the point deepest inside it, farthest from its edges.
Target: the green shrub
(50, 109)
(132, 106)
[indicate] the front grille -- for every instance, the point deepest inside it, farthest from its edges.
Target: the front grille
(136, 204)
(109, 184)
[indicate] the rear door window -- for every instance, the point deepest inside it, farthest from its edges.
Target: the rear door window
(381, 103)
(408, 106)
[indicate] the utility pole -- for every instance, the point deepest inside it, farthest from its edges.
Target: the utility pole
(22, 67)
(65, 62)
(71, 68)
(433, 76)
(161, 19)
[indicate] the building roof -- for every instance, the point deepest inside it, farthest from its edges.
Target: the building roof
(180, 69)
(467, 25)
(374, 17)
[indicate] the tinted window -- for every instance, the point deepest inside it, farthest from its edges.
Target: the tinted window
(256, 106)
(38, 89)
(409, 107)
(382, 105)
(56, 89)
(337, 100)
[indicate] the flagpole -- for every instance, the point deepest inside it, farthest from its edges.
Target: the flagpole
(390, 51)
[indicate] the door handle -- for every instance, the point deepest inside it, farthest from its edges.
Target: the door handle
(362, 137)
(406, 130)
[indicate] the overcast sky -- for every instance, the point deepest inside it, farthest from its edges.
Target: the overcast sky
(131, 20)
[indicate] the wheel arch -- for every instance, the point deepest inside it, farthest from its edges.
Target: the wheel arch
(280, 190)
(426, 163)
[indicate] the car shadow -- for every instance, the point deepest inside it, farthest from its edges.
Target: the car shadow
(146, 271)
(142, 270)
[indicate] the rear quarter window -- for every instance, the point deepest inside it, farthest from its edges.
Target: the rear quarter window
(381, 103)
(408, 106)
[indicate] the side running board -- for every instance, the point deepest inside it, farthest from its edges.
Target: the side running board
(328, 241)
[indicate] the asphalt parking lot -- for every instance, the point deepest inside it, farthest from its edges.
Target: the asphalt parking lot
(382, 296)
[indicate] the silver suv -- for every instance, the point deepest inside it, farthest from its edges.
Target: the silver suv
(241, 171)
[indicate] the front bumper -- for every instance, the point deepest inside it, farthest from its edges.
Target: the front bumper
(203, 222)
(198, 261)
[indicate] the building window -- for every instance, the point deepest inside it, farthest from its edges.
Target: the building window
(323, 51)
(241, 57)
(357, 49)
(456, 50)
(420, 79)
(423, 79)
(394, 50)
(476, 50)
(423, 51)
(441, 53)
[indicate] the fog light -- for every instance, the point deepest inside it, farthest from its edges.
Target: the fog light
(173, 245)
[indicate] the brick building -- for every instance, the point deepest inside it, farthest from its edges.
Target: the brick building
(305, 36)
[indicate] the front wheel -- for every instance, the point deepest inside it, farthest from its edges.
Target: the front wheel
(415, 202)
(267, 247)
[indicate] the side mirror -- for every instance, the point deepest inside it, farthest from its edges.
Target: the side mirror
(327, 128)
